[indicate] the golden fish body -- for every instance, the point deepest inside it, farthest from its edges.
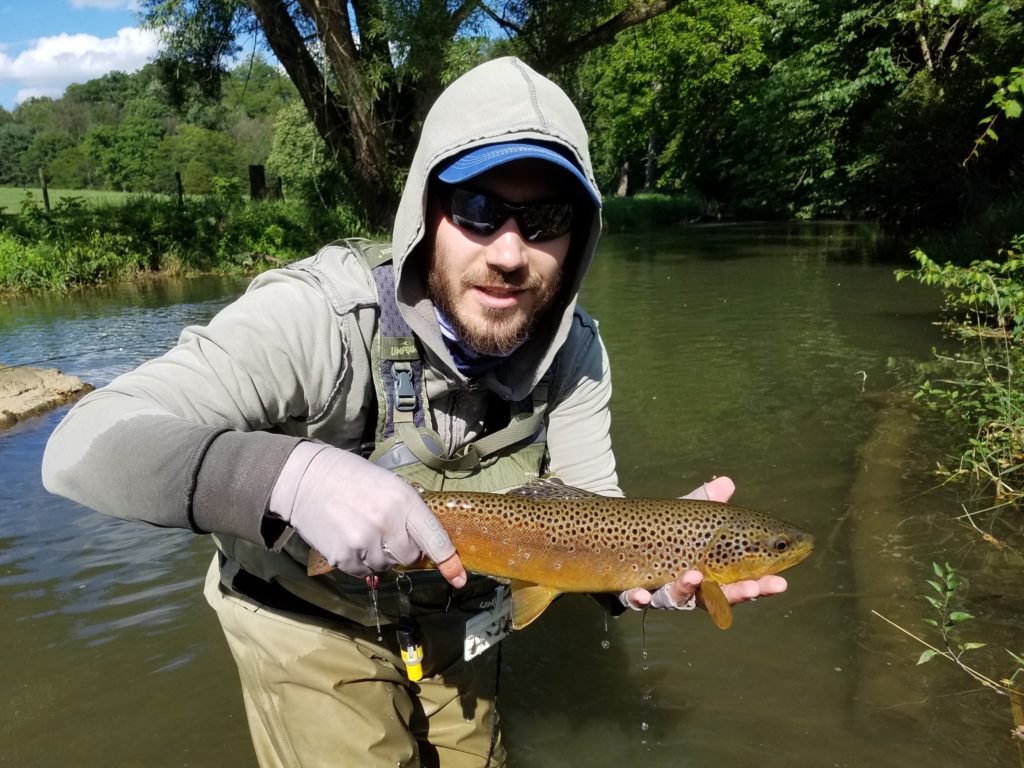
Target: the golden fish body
(547, 538)
(606, 544)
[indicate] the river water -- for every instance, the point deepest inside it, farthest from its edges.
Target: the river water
(763, 352)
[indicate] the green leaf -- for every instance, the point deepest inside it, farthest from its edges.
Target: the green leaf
(971, 646)
(1012, 108)
(960, 616)
(933, 622)
(937, 587)
(926, 656)
(938, 570)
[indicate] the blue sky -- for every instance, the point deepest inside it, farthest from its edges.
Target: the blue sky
(47, 44)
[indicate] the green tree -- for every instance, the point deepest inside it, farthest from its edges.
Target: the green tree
(659, 98)
(199, 154)
(37, 112)
(45, 147)
(256, 89)
(15, 139)
(366, 71)
(300, 156)
(73, 169)
(125, 155)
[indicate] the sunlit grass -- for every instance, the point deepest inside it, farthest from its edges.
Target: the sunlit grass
(11, 198)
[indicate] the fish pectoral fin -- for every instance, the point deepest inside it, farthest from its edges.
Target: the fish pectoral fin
(716, 603)
(529, 601)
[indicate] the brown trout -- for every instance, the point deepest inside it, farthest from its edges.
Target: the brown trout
(547, 538)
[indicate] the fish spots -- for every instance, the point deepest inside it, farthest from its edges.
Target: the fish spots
(613, 540)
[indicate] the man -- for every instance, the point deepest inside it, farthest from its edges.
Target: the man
(455, 358)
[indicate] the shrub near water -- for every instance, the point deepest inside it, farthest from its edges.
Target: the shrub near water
(978, 387)
(59, 250)
(79, 244)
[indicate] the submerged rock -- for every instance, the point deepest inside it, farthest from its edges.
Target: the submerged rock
(28, 391)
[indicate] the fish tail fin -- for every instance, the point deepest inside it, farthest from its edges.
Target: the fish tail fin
(317, 564)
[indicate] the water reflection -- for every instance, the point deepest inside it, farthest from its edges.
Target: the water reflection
(765, 352)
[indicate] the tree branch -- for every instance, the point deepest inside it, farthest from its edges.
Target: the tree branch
(287, 44)
(637, 13)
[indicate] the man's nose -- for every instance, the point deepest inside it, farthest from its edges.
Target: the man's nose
(507, 250)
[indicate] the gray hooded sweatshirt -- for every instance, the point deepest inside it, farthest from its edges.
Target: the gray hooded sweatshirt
(197, 438)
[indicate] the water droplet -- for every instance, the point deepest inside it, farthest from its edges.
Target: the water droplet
(645, 726)
(606, 644)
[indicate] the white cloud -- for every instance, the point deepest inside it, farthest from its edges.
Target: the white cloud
(51, 63)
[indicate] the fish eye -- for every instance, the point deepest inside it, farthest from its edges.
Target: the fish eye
(781, 545)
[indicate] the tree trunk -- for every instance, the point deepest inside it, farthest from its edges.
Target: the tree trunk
(347, 128)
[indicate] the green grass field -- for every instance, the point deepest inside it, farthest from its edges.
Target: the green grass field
(11, 198)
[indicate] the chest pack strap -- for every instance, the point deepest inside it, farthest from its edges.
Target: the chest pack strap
(400, 374)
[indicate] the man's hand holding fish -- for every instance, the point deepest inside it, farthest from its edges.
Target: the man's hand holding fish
(681, 594)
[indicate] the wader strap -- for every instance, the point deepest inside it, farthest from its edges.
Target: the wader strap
(401, 372)
(374, 252)
(522, 426)
(400, 368)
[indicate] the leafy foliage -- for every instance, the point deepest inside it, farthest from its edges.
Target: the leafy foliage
(78, 244)
(791, 108)
(977, 388)
(949, 623)
(949, 618)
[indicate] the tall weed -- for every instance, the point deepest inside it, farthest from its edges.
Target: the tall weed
(978, 387)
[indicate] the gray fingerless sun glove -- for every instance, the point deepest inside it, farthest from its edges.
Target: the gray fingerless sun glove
(361, 517)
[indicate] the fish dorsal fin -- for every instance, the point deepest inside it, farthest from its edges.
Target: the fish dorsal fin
(529, 601)
(716, 603)
(550, 488)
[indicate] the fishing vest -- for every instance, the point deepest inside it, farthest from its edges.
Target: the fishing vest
(402, 441)
(404, 444)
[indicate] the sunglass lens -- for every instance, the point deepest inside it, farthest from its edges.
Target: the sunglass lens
(544, 221)
(483, 214)
(476, 211)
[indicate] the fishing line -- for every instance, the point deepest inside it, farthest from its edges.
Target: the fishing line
(80, 354)
(494, 711)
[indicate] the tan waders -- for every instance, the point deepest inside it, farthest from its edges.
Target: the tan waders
(322, 693)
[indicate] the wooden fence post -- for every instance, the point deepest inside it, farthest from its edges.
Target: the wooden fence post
(46, 192)
(181, 189)
(257, 183)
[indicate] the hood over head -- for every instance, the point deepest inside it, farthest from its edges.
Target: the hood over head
(502, 102)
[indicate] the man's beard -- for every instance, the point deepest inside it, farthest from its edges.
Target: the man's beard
(495, 332)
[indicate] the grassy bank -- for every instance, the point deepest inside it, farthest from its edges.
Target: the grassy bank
(12, 198)
(84, 242)
(649, 211)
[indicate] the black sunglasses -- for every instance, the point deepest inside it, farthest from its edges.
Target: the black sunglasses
(483, 213)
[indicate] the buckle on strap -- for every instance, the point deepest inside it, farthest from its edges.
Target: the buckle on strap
(405, 392)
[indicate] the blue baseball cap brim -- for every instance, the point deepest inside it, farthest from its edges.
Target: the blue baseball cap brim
(485, 158)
